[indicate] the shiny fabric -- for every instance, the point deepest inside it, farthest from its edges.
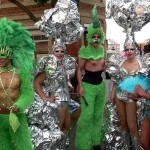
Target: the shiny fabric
(43, 124)
(122, 95)
(62, 21)
(58, 74)
(114, 137)
(43, 115)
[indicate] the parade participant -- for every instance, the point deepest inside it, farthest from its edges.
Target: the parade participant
(91, 88)
(145, 130)
(142, 92)
(51, 83)
(16, 92)
(126, 106)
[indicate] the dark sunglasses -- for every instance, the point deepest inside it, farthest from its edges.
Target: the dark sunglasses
(129, 49)
(59, 51)
(96, 36)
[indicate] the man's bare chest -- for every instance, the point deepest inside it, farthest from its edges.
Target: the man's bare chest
(9, 81)
(94, 62)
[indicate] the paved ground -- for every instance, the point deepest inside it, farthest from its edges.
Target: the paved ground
(74, 118)
(72, 136)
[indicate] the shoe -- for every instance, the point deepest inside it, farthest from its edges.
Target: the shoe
(96, 147)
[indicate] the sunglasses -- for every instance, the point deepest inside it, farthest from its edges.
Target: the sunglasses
(129, 49)
(96, 36)
(59, 51)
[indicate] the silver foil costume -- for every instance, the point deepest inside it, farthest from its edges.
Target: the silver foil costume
(131, 15)
(114, 137)
(42, 115)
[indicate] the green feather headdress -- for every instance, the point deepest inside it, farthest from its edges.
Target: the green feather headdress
(95, 27)
(15, 37)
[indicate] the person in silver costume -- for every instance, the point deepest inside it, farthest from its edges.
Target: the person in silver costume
(51, 83)
(127, 107)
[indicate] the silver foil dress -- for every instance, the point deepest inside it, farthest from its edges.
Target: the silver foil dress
(42, 115)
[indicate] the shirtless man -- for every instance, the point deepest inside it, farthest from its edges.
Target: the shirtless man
(92, 90)
(16, 91)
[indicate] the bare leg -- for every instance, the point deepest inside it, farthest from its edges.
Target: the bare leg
(64, 120)
(145, 134)
(131, 109)
(121, 110)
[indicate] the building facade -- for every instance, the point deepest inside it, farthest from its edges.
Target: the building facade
(43, 44)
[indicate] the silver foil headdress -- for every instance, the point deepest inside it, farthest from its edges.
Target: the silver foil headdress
(62, 21)
(58, 43)
(131, 15)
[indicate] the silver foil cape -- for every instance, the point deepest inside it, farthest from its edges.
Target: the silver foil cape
(131, 15)
(62, 21)
(42, 115)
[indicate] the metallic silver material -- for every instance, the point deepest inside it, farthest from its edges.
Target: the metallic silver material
(62, 21)
(135, 143)
(43, 124)
(43, 115)
(131, 15)
(126, 140)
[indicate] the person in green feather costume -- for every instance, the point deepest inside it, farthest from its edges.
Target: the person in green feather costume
(91, 88)
(16, 92)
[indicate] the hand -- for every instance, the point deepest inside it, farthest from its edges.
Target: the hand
(134, 95)
(15, 109)
(51, 99)
(140, 90)
(112, 99)
(80, 91)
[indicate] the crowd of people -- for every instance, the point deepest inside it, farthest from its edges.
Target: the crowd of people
(34, 95)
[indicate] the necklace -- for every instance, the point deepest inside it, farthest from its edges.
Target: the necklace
(6, 91)
(8, 68)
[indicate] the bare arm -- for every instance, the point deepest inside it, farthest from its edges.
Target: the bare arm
(103, 64)
(114, 87)
(80, 67)
(39, 79)
(142, 92)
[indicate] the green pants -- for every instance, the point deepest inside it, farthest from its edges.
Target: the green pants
(90, 120)
(10, 140)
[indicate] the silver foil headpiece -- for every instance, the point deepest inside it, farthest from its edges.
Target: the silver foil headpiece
(59, 43)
